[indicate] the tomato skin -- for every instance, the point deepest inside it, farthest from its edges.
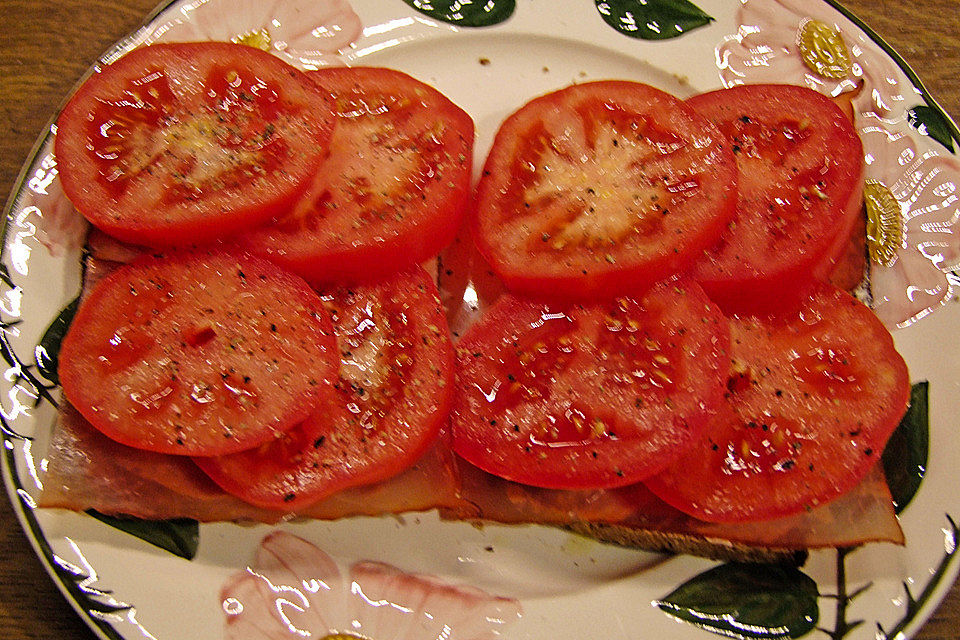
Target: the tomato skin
(178, 144)
(801, 167)
(812, 398)
(601, 189)
(588, 396)
(393, 191)
(386, 409)
(198, 353)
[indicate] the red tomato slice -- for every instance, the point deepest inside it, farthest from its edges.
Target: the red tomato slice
(813, 398)
(175, 144)
(589, 396)
(602, 189)
(393, 190)
(801, 185)
(392, 397)
(198, 354)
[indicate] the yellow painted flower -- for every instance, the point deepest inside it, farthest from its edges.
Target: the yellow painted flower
(806, 43)
(884, 223)
(913, 202)
(823, 50)
(256, 39)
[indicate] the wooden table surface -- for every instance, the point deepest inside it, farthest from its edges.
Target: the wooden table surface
(45, 46)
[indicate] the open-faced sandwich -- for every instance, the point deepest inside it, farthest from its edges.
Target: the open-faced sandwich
(636, 325)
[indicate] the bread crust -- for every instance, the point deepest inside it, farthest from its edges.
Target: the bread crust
(682, 543)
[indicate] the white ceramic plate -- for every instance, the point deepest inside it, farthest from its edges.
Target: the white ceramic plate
(537, 583)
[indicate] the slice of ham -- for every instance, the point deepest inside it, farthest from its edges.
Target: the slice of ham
(103, 247)
(864, 515)
(87, 470)
(633, 515)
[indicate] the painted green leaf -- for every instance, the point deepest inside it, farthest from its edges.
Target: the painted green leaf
(748, 601)
(6, 351)
(652, 19)
(179, 536)
(21, 374)
(466, 13)
(905, 456)
(5, 276)
(48, 349)
(931, 122)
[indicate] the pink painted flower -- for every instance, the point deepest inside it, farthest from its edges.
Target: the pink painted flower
(926, 185)
(309, 34)
(44, 213)
(923, 181)
(295, 590)
(766, 49)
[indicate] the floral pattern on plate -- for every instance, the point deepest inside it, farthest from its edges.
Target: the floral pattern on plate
(46, 214)
(772, 45)
(767, 48)
(293, 589)
(924, 183)
(922, 178)
(307, 34)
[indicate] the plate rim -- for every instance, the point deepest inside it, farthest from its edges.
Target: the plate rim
(19, 497)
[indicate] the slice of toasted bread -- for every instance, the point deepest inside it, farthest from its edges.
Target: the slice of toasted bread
(633, 516)
(86, 470)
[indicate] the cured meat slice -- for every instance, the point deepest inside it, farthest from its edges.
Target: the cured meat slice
(634, 516)
(86, 470)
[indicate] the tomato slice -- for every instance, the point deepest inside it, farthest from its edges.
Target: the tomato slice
(588, 396)
(812, 398)
(392, 192)
(801, 183)
(175, 144)
(602, 189)
(392, 397)
(198, 353)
